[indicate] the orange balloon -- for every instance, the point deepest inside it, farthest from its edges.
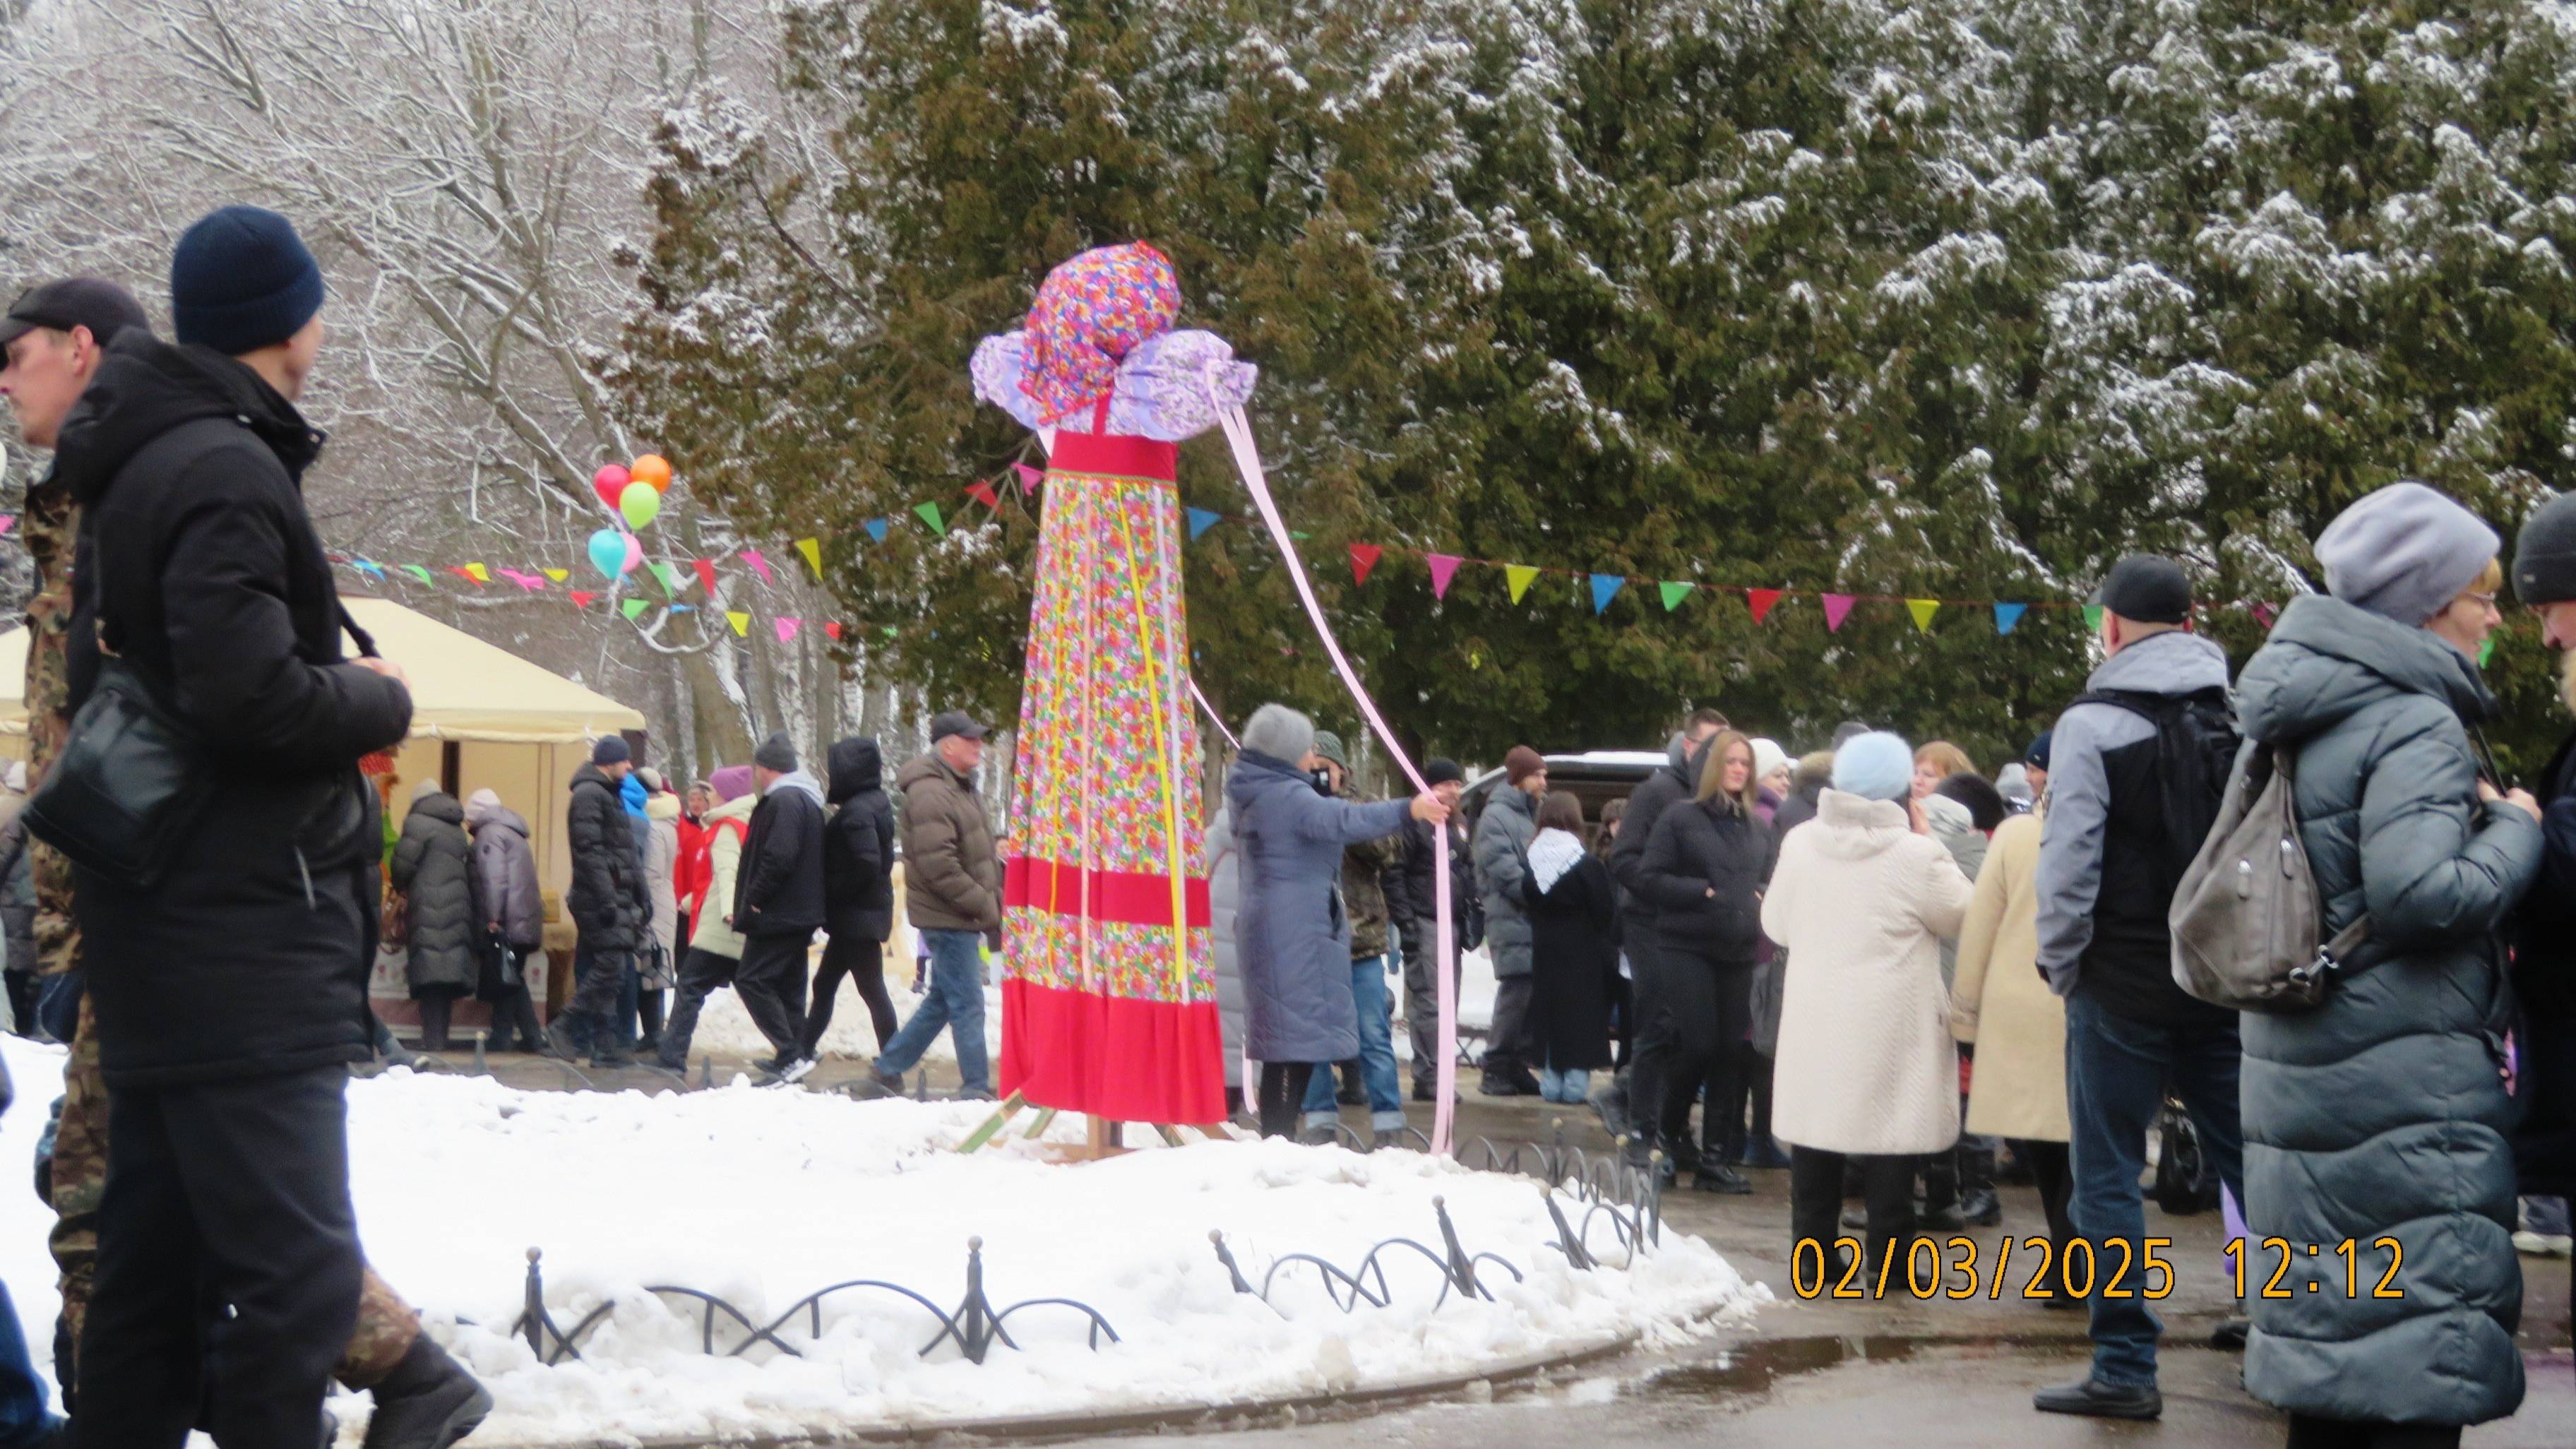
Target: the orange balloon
(652, 468)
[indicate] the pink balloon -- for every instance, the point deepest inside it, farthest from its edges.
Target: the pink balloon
(608, 483)
(634, 554)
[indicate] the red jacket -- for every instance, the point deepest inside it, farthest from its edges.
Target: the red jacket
(691, 871)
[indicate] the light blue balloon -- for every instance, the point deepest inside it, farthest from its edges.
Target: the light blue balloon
(608, 553)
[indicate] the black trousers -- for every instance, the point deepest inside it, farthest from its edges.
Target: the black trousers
(2309, 1432)
(599, 973)
(1816, 1200)
(1700, 1007)
(771, 983)
(515, 1015)
(701, 972)
(2054, 1175)
(1507, 1047)
(435, 1013)
(1282, 1096)
(863, 961)
(228, 1264)
(1748, 1085)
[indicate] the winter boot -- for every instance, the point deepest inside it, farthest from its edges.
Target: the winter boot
(429, 1401)
(560, 1040)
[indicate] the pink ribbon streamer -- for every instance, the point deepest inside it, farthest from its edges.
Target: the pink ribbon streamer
(1247, 459)
(1209, 710)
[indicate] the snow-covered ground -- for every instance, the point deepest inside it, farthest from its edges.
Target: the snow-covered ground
(763, 1196)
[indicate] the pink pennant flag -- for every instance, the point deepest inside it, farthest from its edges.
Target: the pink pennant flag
(1444, 567)
(8, 521)
(2263, 615)
(1838, 607)
(1028, 477)
(752, 557)
(787, 629)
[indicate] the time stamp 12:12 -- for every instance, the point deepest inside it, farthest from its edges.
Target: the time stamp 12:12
(1951, 1270)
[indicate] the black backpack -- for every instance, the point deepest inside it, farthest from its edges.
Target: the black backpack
(2196, 742)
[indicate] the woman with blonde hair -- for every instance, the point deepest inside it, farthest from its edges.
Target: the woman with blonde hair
(1936, 762)
(1704, 869)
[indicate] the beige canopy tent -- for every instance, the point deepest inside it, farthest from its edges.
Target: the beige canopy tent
(482, 717)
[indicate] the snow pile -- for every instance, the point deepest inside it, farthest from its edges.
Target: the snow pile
(763, 1196)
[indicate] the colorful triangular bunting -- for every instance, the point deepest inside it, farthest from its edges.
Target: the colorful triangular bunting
(812, 548)
(930, 514)
(1518, 577)
(2093, 617)
(632, 607)
(668, 577)
(1028, 478)
(1761, 601)
(876, 528)
(478, 573)
(2264, 614)
(558, 575)
(832, 632)
(2486, 651)
(1364, 556)
(1606, 587)
(1444, 567)
(581, 598)
(758, 564)
(1674, 592)
(705, 568)
(2008, 615)
(462, 572)
(787, 629)
(1838, 607)
(740, 621)
(1923, 610)
(982, 492)
(1201, 520)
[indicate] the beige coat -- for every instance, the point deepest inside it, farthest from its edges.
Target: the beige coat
(1860, 903)
(2001, 1002)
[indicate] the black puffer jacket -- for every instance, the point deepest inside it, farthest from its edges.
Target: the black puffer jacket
(607, 897)
(2544, 978)
(1697, 848)
(780, 889)
(199, 563)
(433, 867)
(858, 845)
(1654, 796)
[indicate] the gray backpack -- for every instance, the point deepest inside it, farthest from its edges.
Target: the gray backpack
(2246, 917)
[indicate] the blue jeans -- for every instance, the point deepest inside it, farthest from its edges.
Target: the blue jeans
(1377, 1056)
(956, 1001)
(2117, 1071)
(1567, 1088)
(23, 1419)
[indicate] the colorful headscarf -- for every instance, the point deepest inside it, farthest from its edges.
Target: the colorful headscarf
(1091, 312)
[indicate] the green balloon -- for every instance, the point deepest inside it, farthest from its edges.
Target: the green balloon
(640, 504)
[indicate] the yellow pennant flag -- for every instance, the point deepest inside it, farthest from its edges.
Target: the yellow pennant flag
(741, 622)
(1519, 576)
(812, 548)
(1923, 610)
(481, 574)
(558, 575)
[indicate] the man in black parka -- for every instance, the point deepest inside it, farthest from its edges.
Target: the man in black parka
(607, 901)
(230, 997)
(2544, 956)
(778, 902)
(858, 891)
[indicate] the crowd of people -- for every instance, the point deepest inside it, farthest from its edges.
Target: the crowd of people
(1907, 974)
(1870, 966)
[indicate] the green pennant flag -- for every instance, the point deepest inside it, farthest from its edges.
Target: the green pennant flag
(421, 573)
(930, 514)
(2093, 617)
(1673, 594)
(2486, 651)
(632, 607)
(669, 578)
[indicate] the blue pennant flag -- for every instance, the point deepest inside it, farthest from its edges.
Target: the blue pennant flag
(2007, 615)
(370, 568)
(1201, 520)
(683, 608)
(877, 529)
(1605, 587)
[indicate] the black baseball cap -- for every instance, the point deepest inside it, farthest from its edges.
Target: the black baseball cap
(101, 306)
(954, 722)
(2148, 589)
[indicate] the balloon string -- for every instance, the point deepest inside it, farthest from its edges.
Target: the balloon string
(1212, 717)
(1247, 459)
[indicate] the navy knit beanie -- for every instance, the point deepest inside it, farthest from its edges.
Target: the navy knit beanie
(241, 280)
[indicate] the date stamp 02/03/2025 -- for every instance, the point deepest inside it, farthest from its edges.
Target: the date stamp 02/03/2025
(1933, 1268)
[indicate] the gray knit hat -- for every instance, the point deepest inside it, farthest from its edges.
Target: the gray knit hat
(776, 753)
(2405, 552)
(1329, 746)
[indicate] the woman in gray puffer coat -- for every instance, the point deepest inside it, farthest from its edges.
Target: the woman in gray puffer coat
(513, 927)
(1292, 934)
(2381, 1113)
(433, 869)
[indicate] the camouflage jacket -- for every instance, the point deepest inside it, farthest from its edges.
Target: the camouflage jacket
(50, 525)
(1364, 891)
